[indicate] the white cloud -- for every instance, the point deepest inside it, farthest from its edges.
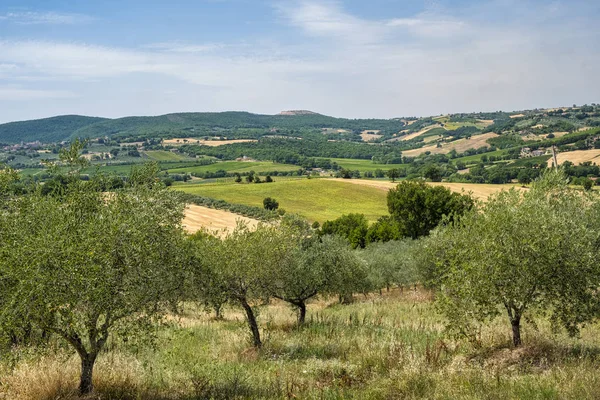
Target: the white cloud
(49, 18)
(337, 63)
(9, 93)
(182, 47)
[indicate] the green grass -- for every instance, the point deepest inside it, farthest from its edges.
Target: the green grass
(161, 155)
(237, 166)
(363, 165)
(477, 157)
(316, 199)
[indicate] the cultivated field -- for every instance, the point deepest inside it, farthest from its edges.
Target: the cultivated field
(459, 145)
(198, 217)
(237, 166)
(162, 155)
(363, 165)
(415, 134)
(577, 157)
(368, 136)
(211, 143)
(317, 199)
(477, 190)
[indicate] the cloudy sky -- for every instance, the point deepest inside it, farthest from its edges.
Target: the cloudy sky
(350, 58)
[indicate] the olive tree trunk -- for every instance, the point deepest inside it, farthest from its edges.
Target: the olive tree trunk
(516, 331)
(87, 369)
(251, 318)
(301, 305)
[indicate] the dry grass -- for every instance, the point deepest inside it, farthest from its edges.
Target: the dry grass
(198, 217)
(577, 157)
(460, 145)
(480, 191)
(211, 143)
(384, 346)
(368, 136)
(416, 134)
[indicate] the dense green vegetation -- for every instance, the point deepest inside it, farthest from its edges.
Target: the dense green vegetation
(46, 130)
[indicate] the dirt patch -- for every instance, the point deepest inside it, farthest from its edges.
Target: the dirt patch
(517, 116)
(211, 143)
(198, 217)
(460, 145)
(577, 157)
(486, 122)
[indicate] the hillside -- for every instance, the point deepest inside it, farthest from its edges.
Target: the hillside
(45, 130)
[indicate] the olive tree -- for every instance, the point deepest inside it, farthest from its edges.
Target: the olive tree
(391, 263)
(237, 264)
(525, 253)
(311, 265)
(85, 264)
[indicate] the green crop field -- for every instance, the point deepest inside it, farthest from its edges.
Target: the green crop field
(477, 157)
(363, 165)
(237, 166)
(161, 155)
(316, 199)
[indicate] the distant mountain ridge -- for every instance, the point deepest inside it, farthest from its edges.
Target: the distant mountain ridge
(67, 127)
(54, 129)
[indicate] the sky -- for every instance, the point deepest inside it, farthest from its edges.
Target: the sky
(345, 58)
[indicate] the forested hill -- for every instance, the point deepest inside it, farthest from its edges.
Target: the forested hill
(45, 130)
(180, 125)
(514, 127)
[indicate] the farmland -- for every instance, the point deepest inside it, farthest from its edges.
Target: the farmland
(198, 218)
(460, 145)
(316, 199)
(478, 191)
(236, 166)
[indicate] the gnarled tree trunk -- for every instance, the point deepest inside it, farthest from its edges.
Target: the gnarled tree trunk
(251, 318)
(87, 369)
(516, 331)
(301, 305)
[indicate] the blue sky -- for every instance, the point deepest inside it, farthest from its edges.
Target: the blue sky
(353, 58)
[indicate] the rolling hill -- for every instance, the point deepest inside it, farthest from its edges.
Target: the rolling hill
(55, 129)
(228, 123)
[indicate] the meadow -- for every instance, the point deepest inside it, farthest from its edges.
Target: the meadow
(364, 165)
(237, 166)
(316, 199)
(384, 346)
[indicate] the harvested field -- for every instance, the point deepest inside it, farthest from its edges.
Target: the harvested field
(577, 157)
(211, 143)
(368, 136)
(478, 191)
(416, 134)
(198, 217)
(460, 145)
(517, 116)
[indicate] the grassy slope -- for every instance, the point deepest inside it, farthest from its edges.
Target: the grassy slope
(363, 165)
(238, 166)
(381, 347)
(161, 155)
(316, 199)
